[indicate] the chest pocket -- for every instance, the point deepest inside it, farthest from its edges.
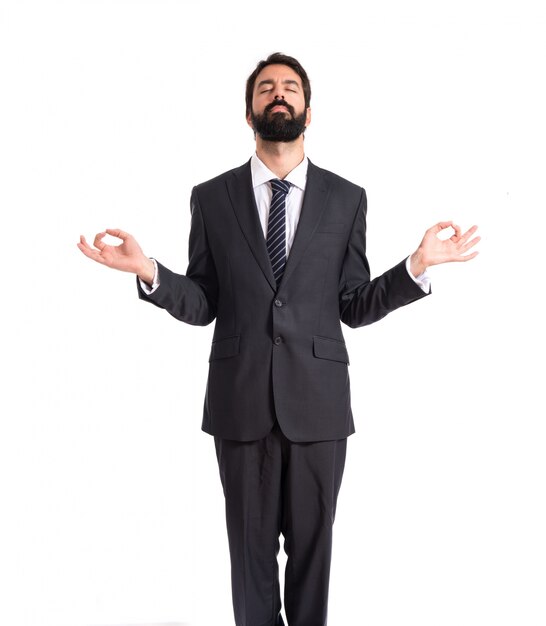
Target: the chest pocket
(333, 228)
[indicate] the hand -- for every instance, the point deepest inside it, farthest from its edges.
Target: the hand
(127, 257)
(432, 250)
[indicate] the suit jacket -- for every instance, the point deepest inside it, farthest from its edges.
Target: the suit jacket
(279, 352)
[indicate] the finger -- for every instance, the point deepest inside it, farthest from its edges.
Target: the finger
(441, 226)
(461, 256)
(83, 242)
(470, 244)
(92, 254)
(456, 235)
(97, 242)
(469, 257)
(469, 233)
(116, 232)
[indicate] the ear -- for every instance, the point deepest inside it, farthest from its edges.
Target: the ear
(249, 121)
(308, 117)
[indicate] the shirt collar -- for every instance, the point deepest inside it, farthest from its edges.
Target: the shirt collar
(262, 174)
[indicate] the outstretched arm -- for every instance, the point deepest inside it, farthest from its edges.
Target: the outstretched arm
(191, 298)
(364, 301)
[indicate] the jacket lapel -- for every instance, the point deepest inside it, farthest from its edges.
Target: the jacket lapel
(314, 203)
(242, 199)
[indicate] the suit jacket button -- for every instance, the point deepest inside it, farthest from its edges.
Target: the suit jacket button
(278, 341)
(278, 302)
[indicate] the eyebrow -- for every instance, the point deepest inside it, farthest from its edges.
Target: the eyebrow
(269, 81)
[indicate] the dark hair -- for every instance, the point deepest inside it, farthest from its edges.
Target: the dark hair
(277, 58)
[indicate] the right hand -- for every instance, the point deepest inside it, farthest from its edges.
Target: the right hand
(127, 257)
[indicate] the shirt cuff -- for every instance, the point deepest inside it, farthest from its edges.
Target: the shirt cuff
(423, 280)
(147, 289)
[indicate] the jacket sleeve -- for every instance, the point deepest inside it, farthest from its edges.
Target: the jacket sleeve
(363, 301)
(191, 298)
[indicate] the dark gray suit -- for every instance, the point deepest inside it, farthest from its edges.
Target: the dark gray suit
(279, 353)
(278, 398)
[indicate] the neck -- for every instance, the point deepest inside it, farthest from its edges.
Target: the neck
(280, 157)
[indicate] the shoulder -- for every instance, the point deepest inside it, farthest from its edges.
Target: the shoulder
(335, 182)
(220, 181)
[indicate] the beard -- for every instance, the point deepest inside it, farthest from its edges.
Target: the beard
(278, 126)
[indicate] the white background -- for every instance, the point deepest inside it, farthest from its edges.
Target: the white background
(110, 111)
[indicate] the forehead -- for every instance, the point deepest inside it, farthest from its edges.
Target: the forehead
(277, 73)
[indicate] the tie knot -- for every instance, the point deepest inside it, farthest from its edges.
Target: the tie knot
(279, 186)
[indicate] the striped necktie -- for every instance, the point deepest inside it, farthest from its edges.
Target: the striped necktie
(276, 227)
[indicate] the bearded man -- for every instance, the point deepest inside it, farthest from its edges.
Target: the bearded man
(277, 258)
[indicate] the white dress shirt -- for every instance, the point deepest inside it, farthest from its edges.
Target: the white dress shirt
(261, 175)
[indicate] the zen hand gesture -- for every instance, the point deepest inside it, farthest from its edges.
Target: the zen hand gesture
(432, 250)
(127, 257)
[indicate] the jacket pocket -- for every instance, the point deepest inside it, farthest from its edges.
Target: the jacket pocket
(336, 228)
(331, 349)
(224, 348)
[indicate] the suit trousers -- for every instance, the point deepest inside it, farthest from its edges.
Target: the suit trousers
(273, 486)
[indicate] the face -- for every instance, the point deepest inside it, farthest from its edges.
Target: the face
(278, 105)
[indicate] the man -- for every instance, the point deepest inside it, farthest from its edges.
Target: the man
(277, 258)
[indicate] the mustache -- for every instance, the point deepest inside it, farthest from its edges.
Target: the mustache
(281, 103)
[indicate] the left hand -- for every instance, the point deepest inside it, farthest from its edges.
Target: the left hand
(432, 250)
